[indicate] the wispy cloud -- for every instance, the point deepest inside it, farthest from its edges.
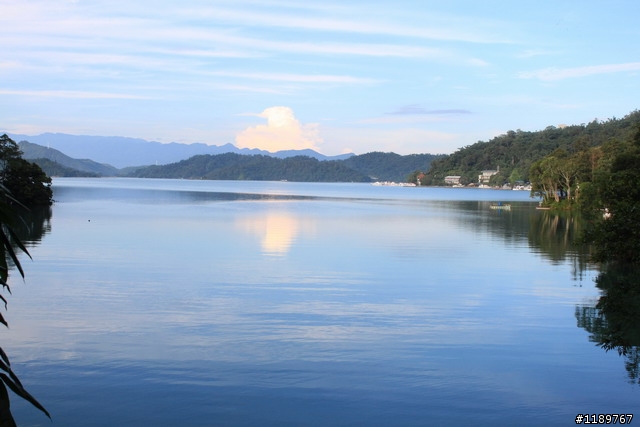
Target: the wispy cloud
(552, 74)
(73, 30)
(297, 78)
(417, 109)
(362, 25)
(361, 49)
(253, 89)
(71, 94)
(533, 53)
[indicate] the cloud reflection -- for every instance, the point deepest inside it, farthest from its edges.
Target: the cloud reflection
(277, 230)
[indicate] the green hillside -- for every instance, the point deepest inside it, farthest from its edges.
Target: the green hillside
(59, 164)
(390, 166)
(55, 169)
(231, 166)
(514, 152)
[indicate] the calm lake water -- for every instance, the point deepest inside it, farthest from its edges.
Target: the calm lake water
(213, 303)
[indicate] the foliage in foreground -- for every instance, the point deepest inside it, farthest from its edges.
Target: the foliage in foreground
(22, 185)
(8, 239)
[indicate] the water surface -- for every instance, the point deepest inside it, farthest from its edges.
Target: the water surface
(205, 303)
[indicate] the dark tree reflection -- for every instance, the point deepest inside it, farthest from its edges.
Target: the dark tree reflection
(613, 323)
(35, 223)
(18, 230)
(557, 236)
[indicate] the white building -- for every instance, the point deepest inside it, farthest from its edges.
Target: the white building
(452, 180)
(486, 175)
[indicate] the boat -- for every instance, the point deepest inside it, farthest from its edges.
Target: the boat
(499, 205)
(394, 184)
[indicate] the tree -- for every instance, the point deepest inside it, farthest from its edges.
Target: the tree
(25, 181)
(616, 235)
(545, 179)
(28, 183)
(559, 176)
(8, 150)
(515, 176)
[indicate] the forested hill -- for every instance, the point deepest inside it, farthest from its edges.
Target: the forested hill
(55, 163)
(515, 152)
(231, 166)
(390, 166)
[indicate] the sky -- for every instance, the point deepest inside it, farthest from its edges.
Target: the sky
(403, 76)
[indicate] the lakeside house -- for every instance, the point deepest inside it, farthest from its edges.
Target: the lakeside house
(452, 180)
(486, 175)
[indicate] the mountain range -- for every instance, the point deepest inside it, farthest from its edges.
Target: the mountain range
(99, 154)
(121, 152)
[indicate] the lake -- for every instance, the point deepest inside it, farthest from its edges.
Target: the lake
(231, 303)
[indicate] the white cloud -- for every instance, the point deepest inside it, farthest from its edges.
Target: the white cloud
(282, 132)
(552, 74)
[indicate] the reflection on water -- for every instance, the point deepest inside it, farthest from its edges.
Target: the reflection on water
(277, 230)
(613, 321)
(557, 237)
(35, 223)
(206, 303)
(31, 227)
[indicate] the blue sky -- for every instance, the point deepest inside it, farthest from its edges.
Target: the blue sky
(357, 76)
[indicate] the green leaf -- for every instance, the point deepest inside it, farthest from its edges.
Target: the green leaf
(20, 391)
(4, 269)
(6, 419)
(5, 366)
(4, 357)
(12, 254)
(18, 242)
(5, 285)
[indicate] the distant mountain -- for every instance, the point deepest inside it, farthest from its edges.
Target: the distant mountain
(374, 166)
(307, 152)
(48, 158)
(111, 156)
(122, 152)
